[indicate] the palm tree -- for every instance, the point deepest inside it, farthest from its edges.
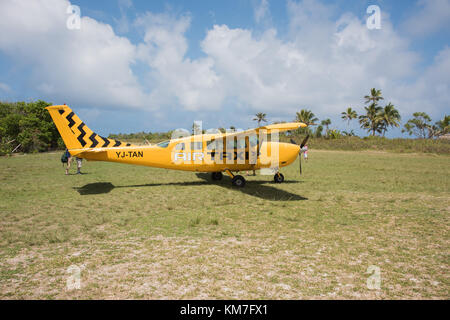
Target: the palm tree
(260, 117)
(371, 121)
(390, 117)
(318, 132)
(348, 115)
(326, 123)
(305, 116)
(375, 95)
(349, 134)
(443, 126)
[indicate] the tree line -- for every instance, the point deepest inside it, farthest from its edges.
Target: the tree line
(28, 127)
(375, 120)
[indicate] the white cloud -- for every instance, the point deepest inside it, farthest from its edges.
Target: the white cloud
(431, 91)
(261, 11)
(122, 24)
(192, 82)
(431, 16)
(91, 65)
(326, 65)
(326, 62)
(4, 87)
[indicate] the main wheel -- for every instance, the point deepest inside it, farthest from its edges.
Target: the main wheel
(217, 175)
(238, 181)
(278, 178)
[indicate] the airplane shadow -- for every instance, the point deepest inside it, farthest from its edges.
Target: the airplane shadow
(259, 188)
(256, 188)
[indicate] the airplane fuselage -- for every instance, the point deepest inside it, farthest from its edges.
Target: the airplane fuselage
(200, 160)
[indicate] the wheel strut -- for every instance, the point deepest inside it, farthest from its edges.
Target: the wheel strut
(236, 180)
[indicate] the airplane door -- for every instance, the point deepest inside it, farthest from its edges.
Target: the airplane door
(252, 146)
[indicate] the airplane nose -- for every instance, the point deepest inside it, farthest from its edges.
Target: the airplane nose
(294, 151)
(290, 152)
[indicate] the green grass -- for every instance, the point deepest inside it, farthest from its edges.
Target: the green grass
(138, 232)
(369, 143)
(438, 146)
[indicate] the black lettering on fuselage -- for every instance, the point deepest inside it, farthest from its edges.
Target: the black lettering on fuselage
(130, 154)
(241, 155)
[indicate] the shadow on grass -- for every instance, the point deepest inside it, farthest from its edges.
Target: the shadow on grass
(105, 187)
(259, 188)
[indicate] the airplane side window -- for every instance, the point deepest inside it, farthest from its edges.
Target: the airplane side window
(210, 145)
(214, 145)
(253, 139)
(163, 144)
(241, 144)
(196, 145)
(230, 144)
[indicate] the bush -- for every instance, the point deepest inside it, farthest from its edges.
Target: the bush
(28, 126)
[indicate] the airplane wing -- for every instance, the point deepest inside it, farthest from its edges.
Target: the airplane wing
(279, 127)
(284, 126)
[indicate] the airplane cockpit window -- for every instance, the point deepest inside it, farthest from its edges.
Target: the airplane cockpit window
(180, 146)
(163, 144)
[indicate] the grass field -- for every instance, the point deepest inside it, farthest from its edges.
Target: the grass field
(138, 232)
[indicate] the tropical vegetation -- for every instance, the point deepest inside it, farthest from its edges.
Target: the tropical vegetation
(421, 126)
(27, 126)
(260, 117)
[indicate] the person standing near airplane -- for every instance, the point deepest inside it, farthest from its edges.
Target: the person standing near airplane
(66, 159)
(79, 160)
(305, 152)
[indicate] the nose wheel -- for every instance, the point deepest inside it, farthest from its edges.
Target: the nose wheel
(278, 177)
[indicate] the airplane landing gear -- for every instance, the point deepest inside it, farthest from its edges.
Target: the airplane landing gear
(238, 181)
(217, 175)
(278, 177)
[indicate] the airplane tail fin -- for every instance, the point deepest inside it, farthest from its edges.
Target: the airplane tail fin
(75, 134)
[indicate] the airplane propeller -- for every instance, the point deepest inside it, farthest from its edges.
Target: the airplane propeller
(300, 151)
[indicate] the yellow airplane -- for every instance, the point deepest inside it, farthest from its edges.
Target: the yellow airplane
(213, 152)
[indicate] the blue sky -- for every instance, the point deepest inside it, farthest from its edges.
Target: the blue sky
(160, 65)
